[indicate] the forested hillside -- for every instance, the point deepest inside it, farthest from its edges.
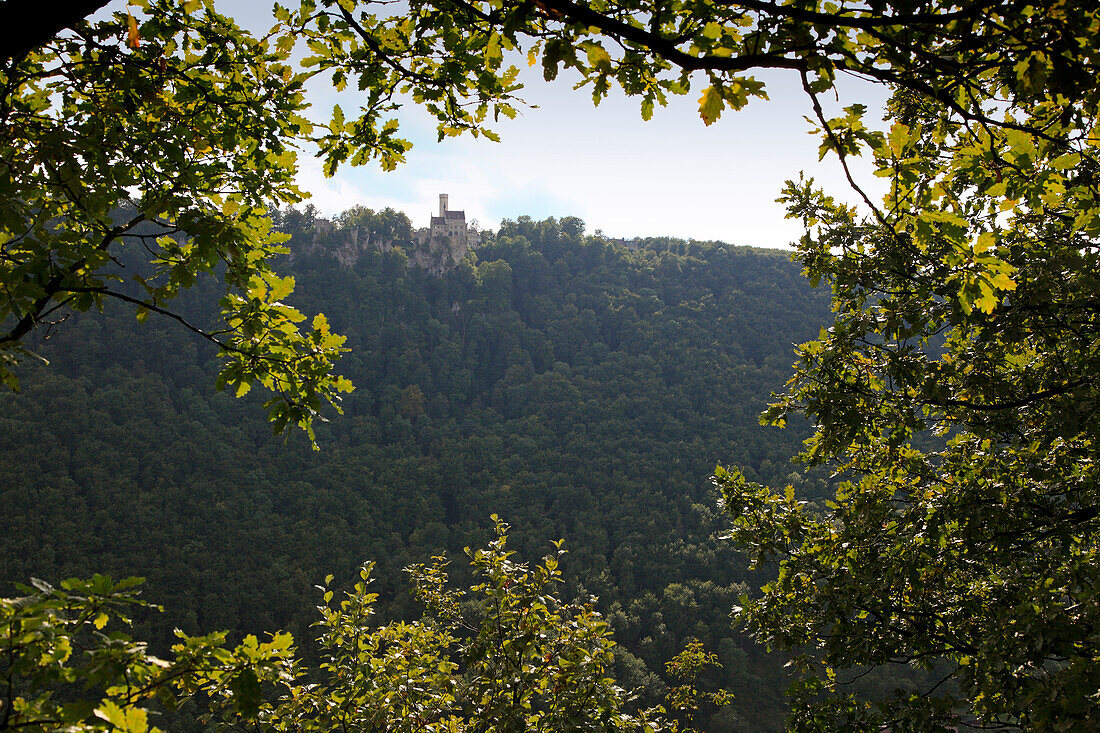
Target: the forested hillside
(576, 388)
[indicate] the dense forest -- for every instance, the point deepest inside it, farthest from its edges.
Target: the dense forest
(578, 388)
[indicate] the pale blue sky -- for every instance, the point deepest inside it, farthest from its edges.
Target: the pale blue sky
(669, 176)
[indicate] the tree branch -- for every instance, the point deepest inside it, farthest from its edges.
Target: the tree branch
(55, 285)
(27, 25)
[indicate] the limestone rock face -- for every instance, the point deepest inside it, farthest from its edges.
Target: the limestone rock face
(441, 253)
(438, 255)
(344, 245)
(437, 248)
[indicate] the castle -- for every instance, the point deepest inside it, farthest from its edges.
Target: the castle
(451, 225)
(448, 223)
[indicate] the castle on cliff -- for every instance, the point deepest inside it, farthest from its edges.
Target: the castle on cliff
(443, 244)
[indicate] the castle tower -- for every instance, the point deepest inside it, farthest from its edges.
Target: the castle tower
(449, 224)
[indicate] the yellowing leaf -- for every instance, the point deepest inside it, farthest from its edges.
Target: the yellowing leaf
(112, 713)
(133, 40)
(598, 57)
(1064, 162)
(280, 287)
(710, 105)
(712, 30)
(899, 137)
(492, 49)
(128, 720)
(986, 240)
(1002, 281)
(987, 301)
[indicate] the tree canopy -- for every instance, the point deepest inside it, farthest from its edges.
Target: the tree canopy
(955, 396)
(170, 139)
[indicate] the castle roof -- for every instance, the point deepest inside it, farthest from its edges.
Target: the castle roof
(450, 216)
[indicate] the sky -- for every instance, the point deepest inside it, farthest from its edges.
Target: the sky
(670, 176)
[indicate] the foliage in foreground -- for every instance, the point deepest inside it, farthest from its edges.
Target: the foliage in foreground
(63, 669)
(163, 142)
(507, 655)
(956, 399)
